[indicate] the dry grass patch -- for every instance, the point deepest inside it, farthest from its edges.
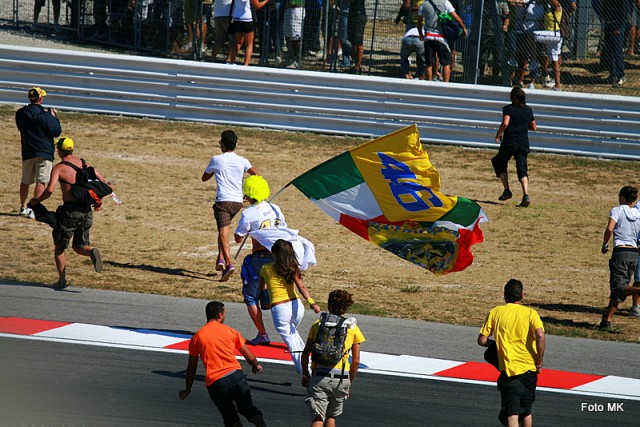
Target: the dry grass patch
(161, 239)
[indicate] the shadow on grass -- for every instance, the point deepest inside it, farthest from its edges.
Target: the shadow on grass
(568, 323)
(575, 308)
(161, 270)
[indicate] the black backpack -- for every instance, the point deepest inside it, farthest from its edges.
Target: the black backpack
(88, 189)
(328, 346)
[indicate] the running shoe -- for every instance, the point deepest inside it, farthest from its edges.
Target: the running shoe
(226, 274)
(260, 340)
(506, 195)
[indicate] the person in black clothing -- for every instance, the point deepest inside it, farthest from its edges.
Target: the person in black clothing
(513, 137)
(37, 128)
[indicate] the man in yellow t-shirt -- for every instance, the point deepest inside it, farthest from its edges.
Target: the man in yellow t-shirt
(328, 386)
(520, 342)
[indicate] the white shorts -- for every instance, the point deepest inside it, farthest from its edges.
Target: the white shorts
(293, 18)
(552, 40)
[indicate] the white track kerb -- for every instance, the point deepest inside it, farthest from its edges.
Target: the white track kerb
(373, 363)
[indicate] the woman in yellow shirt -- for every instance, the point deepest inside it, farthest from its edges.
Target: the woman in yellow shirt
(283, 279)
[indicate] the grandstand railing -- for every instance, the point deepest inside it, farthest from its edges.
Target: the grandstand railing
(594, 125)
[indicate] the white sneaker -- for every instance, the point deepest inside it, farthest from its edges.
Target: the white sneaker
(294, 64)
(28, 212)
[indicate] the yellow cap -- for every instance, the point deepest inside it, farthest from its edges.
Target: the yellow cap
(65, 143)
(36, 93)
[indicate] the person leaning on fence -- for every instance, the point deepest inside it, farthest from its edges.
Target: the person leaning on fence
(435, 45)
(513, 137)
(411, 43)
(37, 128)
(329, 386)
(624, 227)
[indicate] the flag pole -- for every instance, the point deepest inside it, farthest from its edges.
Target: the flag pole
(247, 235)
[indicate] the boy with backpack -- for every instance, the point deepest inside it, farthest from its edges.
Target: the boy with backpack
(74, 217)
(330, 341)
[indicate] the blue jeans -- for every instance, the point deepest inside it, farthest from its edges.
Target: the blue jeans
(410, 45)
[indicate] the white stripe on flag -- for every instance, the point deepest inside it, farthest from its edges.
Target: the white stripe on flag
(357, 202)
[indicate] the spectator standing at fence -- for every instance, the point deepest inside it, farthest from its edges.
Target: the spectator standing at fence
(228, 169)
(221, 18)
(293, 20)
(489, 46)
(216, 344)
(411, 43)
(311, 44)
(195, 12)
(635, 27)
(513, 137)
(624, 227)
(551, 38)
(37, 7)
(243, 27)
(528, 18)
(435, 45)
(356, 23)
(520, 341)
(38, 127)
(616, 15)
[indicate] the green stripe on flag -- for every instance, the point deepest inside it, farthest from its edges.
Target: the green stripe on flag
(465, 212)
(333, 176)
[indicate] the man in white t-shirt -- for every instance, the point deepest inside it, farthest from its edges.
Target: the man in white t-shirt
(229, 169)
(260, 215)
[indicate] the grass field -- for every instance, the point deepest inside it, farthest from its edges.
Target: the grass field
(161, 239)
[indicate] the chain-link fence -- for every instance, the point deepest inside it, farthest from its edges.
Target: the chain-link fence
(575, 45)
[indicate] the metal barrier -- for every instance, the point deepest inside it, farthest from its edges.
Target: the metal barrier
(582, 124)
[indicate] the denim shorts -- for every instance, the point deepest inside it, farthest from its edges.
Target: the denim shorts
(250, 275)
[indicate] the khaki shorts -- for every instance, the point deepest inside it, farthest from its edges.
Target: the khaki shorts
(36, 169)
(326, 396)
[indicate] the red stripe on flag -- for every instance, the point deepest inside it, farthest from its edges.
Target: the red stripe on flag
(551, 378)
(467, 239)
(22, 326)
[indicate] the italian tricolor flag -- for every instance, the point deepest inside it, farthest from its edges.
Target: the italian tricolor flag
(388, 192)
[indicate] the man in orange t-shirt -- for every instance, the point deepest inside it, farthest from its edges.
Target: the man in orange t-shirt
(216, 344)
